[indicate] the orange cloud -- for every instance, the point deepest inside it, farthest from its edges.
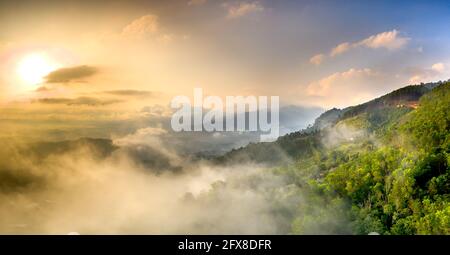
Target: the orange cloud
(317, 59)
(390, 40)
(142, 26)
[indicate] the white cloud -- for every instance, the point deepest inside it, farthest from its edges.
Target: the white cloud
(436, 71)
(324, 86)
(438, 67)
(346, 88)
(390, 40)
(145, 25)
(416, 79)
(149, 135)
(243, 8)
(317, 59)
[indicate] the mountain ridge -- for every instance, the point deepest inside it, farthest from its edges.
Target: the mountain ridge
(306, 141)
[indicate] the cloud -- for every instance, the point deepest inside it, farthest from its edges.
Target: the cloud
(317, 59)
(90, 101)
(418, 74)
(438, 67)
(243, 8)
(196, 2)
(145, 25)
(42, 89)
(93, 186)
(130, 93)
(112, 192)
(150, 137)
(416, 79)
(390, 40)
(157, 111)
(346, 88)
(341, 48)
(69, 74)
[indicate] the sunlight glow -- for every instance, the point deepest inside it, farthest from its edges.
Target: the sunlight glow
(34, 67)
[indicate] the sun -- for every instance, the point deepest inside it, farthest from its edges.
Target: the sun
(34, 67)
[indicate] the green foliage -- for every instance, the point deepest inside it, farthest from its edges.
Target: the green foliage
(382, 166)
(393, 99)
(429, 125)
(395, 181)
(435, 218)
(319, 214)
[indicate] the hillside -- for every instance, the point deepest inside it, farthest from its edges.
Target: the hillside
(382, 166)
(374, 115)
(404, 97)
(378, 167)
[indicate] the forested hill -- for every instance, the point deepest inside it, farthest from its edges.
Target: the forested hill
(406, 96)
(376, 114)
(383, 166)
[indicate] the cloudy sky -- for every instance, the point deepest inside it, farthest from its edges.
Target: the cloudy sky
(67, 64)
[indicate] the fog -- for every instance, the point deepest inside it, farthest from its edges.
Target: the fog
(80, 190)
(140, 184)
(342, 133)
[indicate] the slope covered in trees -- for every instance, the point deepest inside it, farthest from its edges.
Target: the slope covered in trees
(379, 113)
(379, 167)
(395, 179)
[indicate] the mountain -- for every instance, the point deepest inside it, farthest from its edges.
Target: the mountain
(378, 113)
(382, 166)
(404, 97)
